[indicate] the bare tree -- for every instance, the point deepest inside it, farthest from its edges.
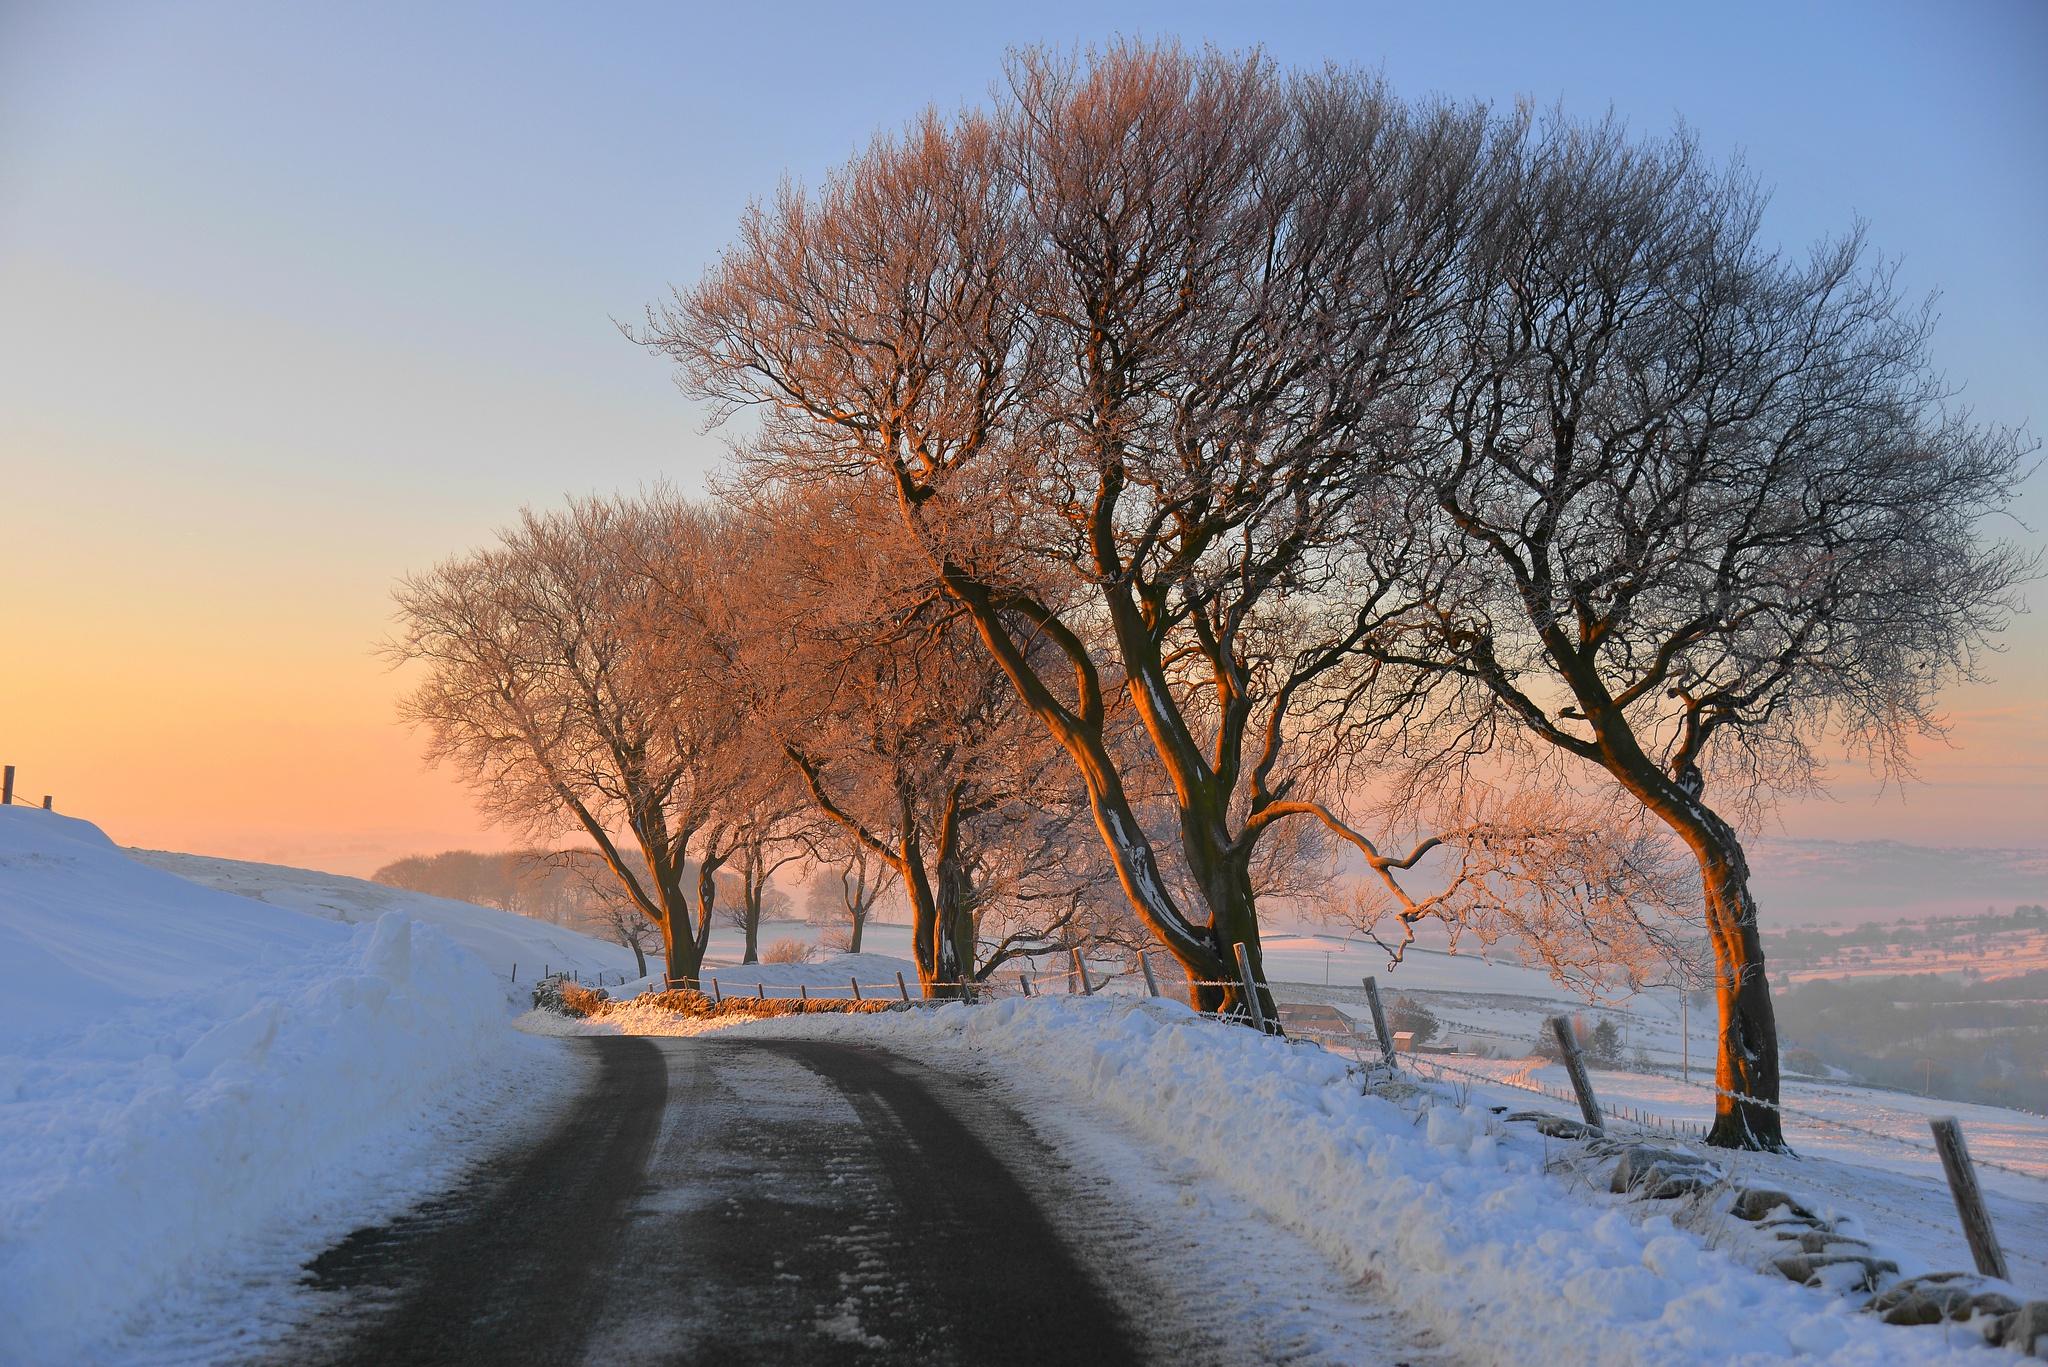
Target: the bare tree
(767, 841)
(848, 897)
(607, 902)
(899, 727)
(1126, 358)
(1698, 506)
(551, 690)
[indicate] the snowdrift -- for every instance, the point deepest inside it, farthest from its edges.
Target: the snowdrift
(503, 940)
(1447, 1210)
(178, 1065)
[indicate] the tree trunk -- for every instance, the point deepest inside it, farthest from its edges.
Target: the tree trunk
(1079, 733)
(860, 923)
(750, 916)
(953, 936)
(924, 915)
(686, 952)
(681, 953)
(685, 961)
(1226, 887)
(1746, 1055)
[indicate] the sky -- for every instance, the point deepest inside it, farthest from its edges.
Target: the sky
(294, 300)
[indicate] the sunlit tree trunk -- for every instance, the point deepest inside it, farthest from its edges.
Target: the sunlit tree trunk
(1746, 1052)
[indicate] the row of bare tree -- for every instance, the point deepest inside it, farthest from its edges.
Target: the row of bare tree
(1187, 474)
(707, 693)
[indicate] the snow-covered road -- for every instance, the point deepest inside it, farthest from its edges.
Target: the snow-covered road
(803, 1201)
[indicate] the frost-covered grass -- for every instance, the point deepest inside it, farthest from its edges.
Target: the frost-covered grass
(1453, 1213)
(184, 1067)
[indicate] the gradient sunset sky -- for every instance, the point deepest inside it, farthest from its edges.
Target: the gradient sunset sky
(294, 300)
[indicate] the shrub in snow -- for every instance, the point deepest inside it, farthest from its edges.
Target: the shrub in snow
(789, 950)
(1412, 1016)
(563, 994)
(547, 994)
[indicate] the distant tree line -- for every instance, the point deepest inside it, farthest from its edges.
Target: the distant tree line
(1187, 472)
(571, 888)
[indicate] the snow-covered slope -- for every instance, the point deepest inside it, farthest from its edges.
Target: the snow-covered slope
(179, 1066)
(501, 939)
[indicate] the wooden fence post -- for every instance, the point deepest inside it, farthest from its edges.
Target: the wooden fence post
(803, 991)
(1251, 988)
(1962, 1184)
(1151, 983)
(1081, 972)
(46, 802)
(7, 786)
(1575, 1064)
(716, 995)
(900, 987)
(1379, 1019)
(1024, 980)
(856, 987)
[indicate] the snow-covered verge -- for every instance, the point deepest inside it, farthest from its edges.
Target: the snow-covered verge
(182, 1066)
(509, 943)
(1454, 1213)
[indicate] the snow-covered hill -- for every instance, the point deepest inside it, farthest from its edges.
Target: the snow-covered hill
(508, 943)
(182, 1070)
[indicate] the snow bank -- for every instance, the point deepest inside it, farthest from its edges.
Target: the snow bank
(1454, 1217)
(502, 939)
(181, 1065)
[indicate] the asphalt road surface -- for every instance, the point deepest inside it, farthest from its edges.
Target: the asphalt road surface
(734, 1202)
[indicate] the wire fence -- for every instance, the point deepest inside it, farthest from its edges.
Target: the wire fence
(1077, 977)
(1031, 978)
(1646, 1121)
(1649, 1124)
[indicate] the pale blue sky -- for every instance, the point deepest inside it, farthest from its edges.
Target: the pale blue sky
(293, 299)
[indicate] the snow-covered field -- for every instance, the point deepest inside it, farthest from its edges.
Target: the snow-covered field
(198, 1089)
(1455, 1216)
